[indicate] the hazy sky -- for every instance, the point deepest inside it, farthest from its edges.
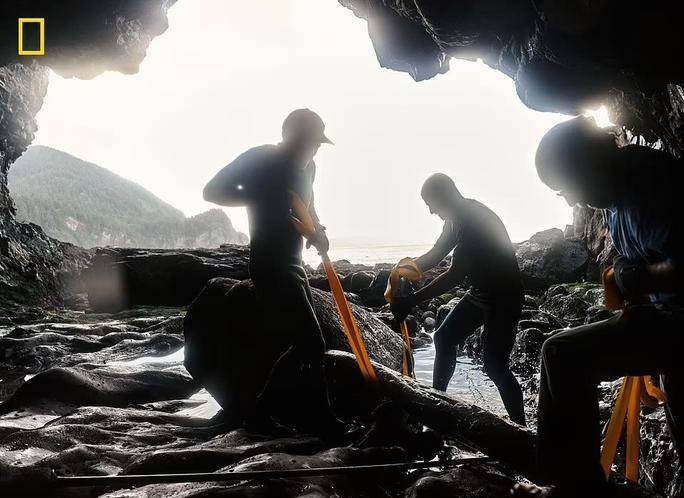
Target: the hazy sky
(226, 73)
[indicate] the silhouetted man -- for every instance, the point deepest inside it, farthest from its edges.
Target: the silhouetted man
(638, 189)
(264, 179)
(483, 253)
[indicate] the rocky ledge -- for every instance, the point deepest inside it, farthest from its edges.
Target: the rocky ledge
(87, 392)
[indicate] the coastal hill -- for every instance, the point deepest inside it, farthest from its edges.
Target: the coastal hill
(82, 203)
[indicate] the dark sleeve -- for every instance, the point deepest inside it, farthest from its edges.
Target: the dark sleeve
(445, 243)
(227, 187)
(248, 178)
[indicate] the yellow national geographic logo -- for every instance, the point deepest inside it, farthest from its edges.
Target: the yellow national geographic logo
(41, 24)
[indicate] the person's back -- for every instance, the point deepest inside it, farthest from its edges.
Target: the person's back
(485, 249)
(274, 241)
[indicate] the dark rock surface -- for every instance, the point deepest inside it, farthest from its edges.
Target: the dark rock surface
(85, 414)
(89, 410)
(548, 258)
(230, 348)
(119, 278)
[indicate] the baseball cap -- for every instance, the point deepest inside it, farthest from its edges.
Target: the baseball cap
(305, 123)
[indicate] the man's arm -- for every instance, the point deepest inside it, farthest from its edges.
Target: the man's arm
(227, 188)
(440, 285)
(314, 214)
(439, 251)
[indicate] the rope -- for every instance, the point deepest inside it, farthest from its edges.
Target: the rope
(406, 268)
(633, 392)
(305, 225)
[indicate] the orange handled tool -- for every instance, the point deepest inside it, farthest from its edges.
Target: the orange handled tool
(406, 268)
(634, 391)
(304, 224)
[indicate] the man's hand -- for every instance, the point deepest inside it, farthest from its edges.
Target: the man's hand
(319, 240)
(402, 305)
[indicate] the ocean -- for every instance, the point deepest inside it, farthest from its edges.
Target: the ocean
(367, 255)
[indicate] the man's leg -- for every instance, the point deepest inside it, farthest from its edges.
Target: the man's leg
(459, 324)
(639, 341)
(500, 329)
(297, 377)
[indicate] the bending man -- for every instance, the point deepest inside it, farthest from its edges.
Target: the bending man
(638, 189)
(483, 253)
(264, 179)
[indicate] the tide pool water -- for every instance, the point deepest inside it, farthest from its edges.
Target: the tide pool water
(469, 383)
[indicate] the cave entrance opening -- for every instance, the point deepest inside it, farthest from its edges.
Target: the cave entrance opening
(209, 90)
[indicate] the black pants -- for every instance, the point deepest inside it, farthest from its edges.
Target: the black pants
(500, 322)
(297, 377)
(642, 340)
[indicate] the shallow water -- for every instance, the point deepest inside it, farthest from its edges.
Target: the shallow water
(468, 383)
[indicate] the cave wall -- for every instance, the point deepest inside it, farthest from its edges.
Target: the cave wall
(564, 55)
(83, 38)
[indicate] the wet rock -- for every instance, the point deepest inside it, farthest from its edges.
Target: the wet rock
(218, 452)
(393, 426)
(231, 351)
(574, 304)
(658, 459)
(374, 294)
(334, 485)
(357, 281)
(475, 482)
(422, 340)
(120, 278)
(526, 353)
(548, 258)
(101, 386)
(70, 339)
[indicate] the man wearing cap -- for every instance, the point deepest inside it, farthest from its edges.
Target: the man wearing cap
(638, 189)
(264, 179)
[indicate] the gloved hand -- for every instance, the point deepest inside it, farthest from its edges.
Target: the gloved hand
(402, 305)
(319, 240)
(627, 277)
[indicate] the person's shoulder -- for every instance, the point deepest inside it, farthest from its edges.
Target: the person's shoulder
(475, 210)
(260, 152)
(257, 157)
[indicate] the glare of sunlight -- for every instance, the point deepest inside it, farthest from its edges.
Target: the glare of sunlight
(601, 117)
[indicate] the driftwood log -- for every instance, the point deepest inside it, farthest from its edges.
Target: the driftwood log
(509, 444)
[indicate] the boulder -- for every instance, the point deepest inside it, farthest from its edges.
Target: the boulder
(120, 278)
(549, 258)
(230, 351)
(526, 353)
